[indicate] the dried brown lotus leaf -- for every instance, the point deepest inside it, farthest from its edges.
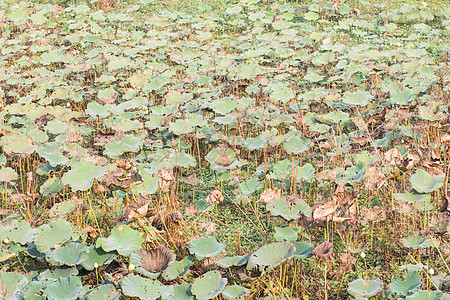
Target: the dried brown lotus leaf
(347, 163)
(439, 223)
(374, 214)
(157, 259)
(393, 156)
(18, 198)
(336, 219)
(347, 259)
(190, 210)
(166, 174)
(342, 196)
(375, 179)
(445, 139)
(361, 140)
(91, 231)
(124, 164)
(193, 180)
(323, 251)
(325, 209)
(224, 158)
(327, 175)
(214, 197)
(268, 195)
(209, 227)
(139, 209)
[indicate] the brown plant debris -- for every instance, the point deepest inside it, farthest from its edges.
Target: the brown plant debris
(214, 197)
(140, 209)
(375, 179)
(157, 259)
(223, 158)
(323, 251)
(268, 195)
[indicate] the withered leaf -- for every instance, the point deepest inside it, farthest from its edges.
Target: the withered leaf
(157, 259)
(214, 197)
(323, 251)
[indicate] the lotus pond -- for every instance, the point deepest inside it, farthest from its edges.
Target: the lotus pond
(206, 149)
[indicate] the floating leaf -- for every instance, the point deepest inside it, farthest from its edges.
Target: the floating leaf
(233, 261)
(143, 288)
(123, 239)
(54, 234)
(302, 250)
(208, 286)
(94, 256)
(403, 287)
(423, 182)
(281, 207)
(270, 256)
(104, 292)
(82, 175)
(205, 247)
(70, 254)
(177, 269)
(65, 288)
(365, 288)
(234, 292)
(285, 234)
(176, 292)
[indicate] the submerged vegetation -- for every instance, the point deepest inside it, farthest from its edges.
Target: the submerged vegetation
(260, 149)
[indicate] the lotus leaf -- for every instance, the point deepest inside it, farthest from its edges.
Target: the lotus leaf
(176, 292)
(65, 288)
(425, 295)
(404, 287)
(205, 247)
(281, 207)
(208, 286)
(136, 286)
(285, 234)
(62, 209)
(233, 261)
(417, 241)
(18, 232)
(54, 234)
(302, 249)
(177, 269)
(96, 256)
(365, 288)
(51, 187)
(11, 283)
(82, 175)
(7, 174)
(423, 182)
(234, 292)
(223, 106)
(71, 254)
(270, 256)
(104, 292)
(123, 239)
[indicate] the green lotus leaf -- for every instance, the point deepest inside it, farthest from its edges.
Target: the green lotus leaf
(232, 261)
(82, 175)
(59, 272)
(281, 92)
(296, 145)
(228, 120)
(412, 197)
(208, 286)
(56, 127)
(417, 241)
(312, 16)
(255, 143)
(12, 283)
(305, 172)
(125, 125)
(359, 97)
(233, 9)
(19, 144)
(270, 256)
(425, 295)
(177, 269)
(94, 109)
(402, 97)
(423, 182)
(70, 254)
(104, 292)
(96, 256)
(181, 127)
(205, 247)
(234, 292)
(323, 58)
(19, 232)
(62, 209)
(223, 106)
(249, 186)
(285, 234)
(53, 235)
(247, 71)
(51, 187)
(65, 288)
(281, 207)
(176, 292)
(129, 143)
(365, 288)
(302, 250)
(143, 288)
(33, 290)
(123, 239)
(403, 287)
(118, 63)
(313, 76)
